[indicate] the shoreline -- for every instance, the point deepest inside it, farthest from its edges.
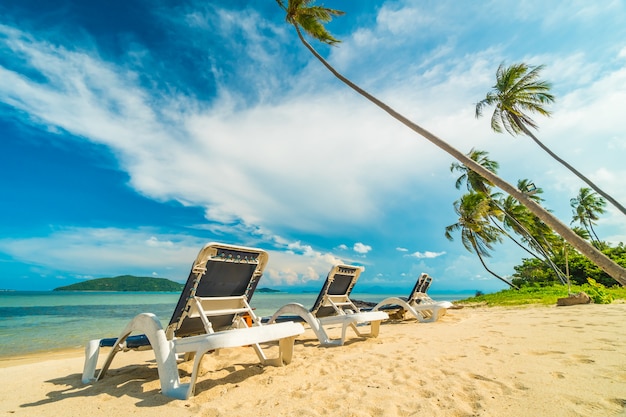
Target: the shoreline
(476, 361)
(39, 356)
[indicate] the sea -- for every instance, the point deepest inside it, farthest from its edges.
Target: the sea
(40, 321)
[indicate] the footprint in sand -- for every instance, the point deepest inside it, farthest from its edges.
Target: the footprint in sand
(546, 352)
(488, 350)
(583, 359)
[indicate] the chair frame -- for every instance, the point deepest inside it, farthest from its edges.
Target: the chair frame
(419, 304)
(344, 311)
(194, 342)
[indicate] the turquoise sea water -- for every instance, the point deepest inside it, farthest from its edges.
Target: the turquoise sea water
(32, 321)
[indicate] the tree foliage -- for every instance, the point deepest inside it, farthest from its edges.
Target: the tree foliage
(519, 91)
(534, 272)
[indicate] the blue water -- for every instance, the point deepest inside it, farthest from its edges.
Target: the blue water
(41, 321)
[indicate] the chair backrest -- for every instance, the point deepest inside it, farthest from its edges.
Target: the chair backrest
(426, 283)
(335, 294)
(420, 288)
(218, 290)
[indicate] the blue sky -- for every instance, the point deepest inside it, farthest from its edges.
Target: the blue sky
(133, 132)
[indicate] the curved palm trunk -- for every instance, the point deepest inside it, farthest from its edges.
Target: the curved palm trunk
(507, 234)
(602, 261)
(545, 260)
(532, 242)
(589, 232)
(594, 232)
(510, 284)
(571, 168)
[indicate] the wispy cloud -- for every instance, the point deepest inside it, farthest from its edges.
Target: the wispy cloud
(276, 151)
(426, 255)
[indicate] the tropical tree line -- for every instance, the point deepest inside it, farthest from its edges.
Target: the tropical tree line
(512, 105)
(486, 218)
(580, 269)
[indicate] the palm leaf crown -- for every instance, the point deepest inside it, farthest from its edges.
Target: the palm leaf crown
(303, 14)
(518, 91)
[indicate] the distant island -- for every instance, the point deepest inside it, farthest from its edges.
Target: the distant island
(124, 283)
(133, 283)
(267, 290)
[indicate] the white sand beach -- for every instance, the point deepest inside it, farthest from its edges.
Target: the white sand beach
(522, 361)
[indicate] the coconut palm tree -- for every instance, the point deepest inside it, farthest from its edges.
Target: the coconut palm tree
(506, 211)
(519, 91)
(541, 236)
(302, 14)
(587, 206)
(477, 233)
(473, 180)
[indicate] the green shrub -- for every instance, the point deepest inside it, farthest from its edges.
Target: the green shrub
(597, 292)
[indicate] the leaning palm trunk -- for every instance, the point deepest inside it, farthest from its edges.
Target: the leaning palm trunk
(568, 166)
(593, 231)
(519, 244)
(532, 242)
(545, 260)
(602, 261)
(510, 284)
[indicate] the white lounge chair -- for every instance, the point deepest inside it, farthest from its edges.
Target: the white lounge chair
(211, 314)
(334, 307)
(419, 304)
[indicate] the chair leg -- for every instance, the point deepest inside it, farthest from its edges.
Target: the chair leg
(92, 351)
(259, 352)
(285, 347)
(375, 328)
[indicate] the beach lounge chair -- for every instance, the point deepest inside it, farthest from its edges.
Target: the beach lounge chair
(213, 312)
(334, 307)
(419, 304)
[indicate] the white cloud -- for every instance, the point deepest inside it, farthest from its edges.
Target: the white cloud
(426, 255)
(361, 248)
(305, 155)
(106, 252)
(95, 252)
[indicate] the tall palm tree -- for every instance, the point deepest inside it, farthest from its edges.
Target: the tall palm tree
(519, 90)
(303, 14)
(473, 180)
(541, 236)
(519, 219)
(477, 233)
(587, 206)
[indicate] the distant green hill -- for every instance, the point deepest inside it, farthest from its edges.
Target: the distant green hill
(265, 289)
(124, 283)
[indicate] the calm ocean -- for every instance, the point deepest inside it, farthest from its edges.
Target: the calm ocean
(33, 321)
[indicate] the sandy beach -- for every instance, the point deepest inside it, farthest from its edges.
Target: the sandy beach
(522, 361)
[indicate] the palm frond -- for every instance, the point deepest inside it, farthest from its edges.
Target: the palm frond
(518, 91)
(303, 14)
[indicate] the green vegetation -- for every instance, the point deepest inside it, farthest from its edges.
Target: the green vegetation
(540, 295)
(534, 272)
(124, 283)
(487, 217)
